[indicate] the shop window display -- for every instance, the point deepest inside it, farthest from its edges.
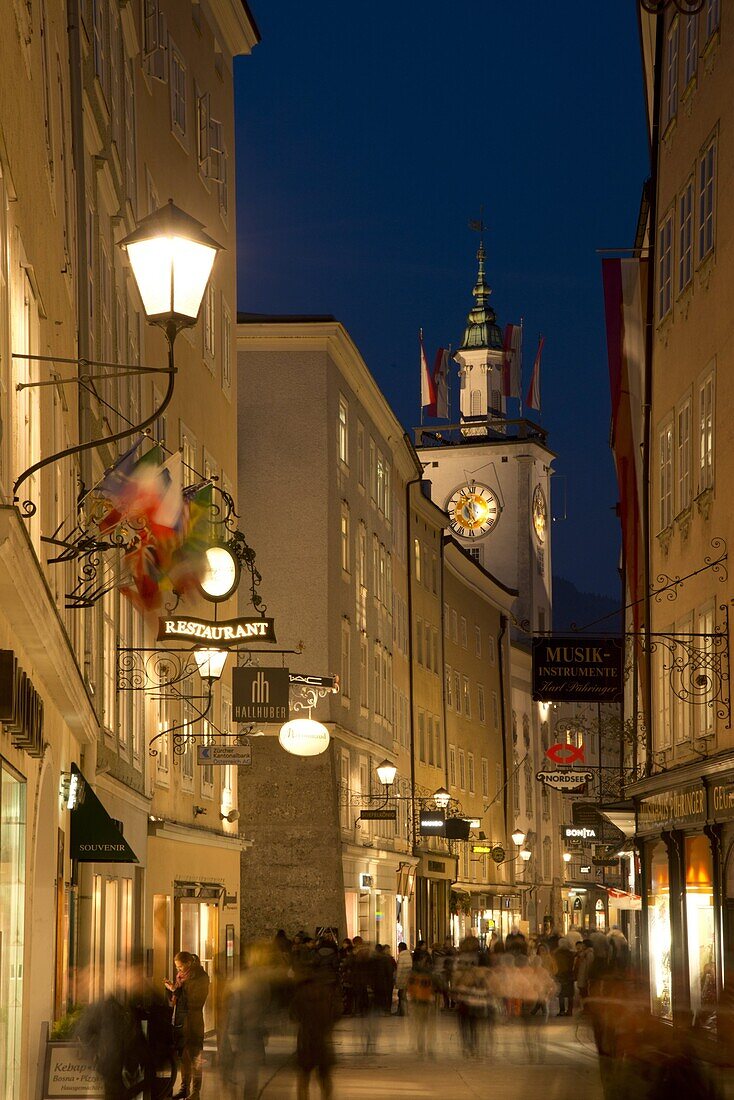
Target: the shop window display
(12, 921)
(700, 923)
(658, 916)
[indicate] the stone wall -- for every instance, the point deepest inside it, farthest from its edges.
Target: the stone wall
(292, 875)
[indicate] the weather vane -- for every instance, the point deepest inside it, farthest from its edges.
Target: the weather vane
(477, 224)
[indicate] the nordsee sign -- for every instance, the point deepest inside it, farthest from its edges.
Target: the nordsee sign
(227, 633)
(577, 669)
(565, 779)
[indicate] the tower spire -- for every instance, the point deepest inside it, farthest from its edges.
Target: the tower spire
(482, 330)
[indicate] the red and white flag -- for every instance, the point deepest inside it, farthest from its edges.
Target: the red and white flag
(533, 397)
(441, 384)
(428, 390)
(511, 361)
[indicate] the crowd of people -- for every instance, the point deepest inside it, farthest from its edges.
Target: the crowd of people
(150, 1042)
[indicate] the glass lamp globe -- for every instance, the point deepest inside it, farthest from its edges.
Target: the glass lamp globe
(171, 259)
(518, 837)
(386, 773)
(566, 857)
(526, 854)
(210, 663)
(442, 798)
(221, 574)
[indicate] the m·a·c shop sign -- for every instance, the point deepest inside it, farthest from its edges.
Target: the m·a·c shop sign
(577, 669)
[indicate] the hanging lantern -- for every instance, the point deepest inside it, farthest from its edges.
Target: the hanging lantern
(304, 737)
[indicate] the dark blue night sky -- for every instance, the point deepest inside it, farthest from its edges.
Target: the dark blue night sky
(367, 137)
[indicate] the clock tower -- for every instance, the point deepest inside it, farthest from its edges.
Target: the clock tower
(492, 474)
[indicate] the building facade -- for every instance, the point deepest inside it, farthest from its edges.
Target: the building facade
(105, 110)
(681, 708)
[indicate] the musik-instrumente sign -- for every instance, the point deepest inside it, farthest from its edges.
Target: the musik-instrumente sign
(222, 635)
(565, 779)
(577, 669)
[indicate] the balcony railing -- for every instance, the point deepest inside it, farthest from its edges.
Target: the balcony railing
(485, 428)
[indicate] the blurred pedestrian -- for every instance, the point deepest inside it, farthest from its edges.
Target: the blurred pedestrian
(246, 1017)
(422, 1001)
(113, 1040)
(188, 993)
(582, 965)
(402, 976)
(383, 980)
(619, 950)
(563, 959)
(315, 1007)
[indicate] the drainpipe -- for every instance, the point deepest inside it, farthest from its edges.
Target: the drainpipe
(647, 395)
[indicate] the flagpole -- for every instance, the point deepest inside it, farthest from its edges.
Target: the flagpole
(420, 372)
(448, 384)
(519, 396)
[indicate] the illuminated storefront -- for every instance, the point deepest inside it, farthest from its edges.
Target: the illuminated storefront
(686, 839)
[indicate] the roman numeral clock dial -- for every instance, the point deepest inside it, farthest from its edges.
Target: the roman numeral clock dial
(473, 510)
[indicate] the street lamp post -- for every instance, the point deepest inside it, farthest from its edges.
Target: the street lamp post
(171, 258)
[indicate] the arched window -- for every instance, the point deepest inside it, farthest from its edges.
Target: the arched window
(475, 408)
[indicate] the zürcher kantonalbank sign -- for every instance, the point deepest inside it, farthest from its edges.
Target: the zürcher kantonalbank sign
(577, 669)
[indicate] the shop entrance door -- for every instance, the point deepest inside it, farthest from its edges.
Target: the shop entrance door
(197, 927)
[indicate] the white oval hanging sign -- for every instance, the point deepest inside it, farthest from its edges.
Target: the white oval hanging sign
(304, 737)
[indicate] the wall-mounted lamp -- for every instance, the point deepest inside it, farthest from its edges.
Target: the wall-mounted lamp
(198, 810)
(210, 663)
(386, 773)
(525, 854)
(518, 837)
(442, 798)
(233, 815)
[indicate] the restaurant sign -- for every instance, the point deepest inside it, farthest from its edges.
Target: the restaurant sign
(227, 633)
(565, 779)
(577, 669)
(672, 809)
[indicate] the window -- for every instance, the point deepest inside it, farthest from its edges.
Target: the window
(457, 692)
(480, 703)
(377, 679)
(178, 91)
(435, 651)
(490, 649)
(373, 472)
(467, 697)
(464, 636)
(685, 237)
(477, 641)
(705, 645)
(207, 770)
(712, 17)
(427, 636)
(154, 40)
(100, 15)
(360, 454)
(452, 766)
(437, 740)
(665, 479)
(706, 434)
(187, 719)
(449, 682)
(690, 49)
(363, 673)
(683, 442)
(670, 89)
(665, 262)
(203, 131)
(547, 874)
(475, 403)
(462, 770)
(445, 620)
(210, 300)
(429, 738)
(454, 627)
(419, 641)
(226, 349)
(422, 736)
(162, 759)
(417, 554)
(683, 708)
(388, 492)
(485, 777)
(470, 768)
(380, 483)
(109, 656)
(528, 789)
(497, 779)
(346, 677)
(706, 195)
(663, 700)
(344, 780)
(361, 589)
(343, 438)
(345, 536)
(495, 711)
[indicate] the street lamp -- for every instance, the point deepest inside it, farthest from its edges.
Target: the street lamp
(525, 854)
(518, 837)
(442, 798)
(566, 857)
(210, 663)
(171, 258)
(386, 773)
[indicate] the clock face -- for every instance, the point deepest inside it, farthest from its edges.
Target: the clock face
(473, 510)
(540, 513)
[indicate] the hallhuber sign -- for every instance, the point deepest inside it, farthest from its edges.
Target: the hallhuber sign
(260, 694)
(577, 669)
(227, 633)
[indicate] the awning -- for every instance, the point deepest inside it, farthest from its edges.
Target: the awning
(95, 836)
(621, 815)
(622, 899)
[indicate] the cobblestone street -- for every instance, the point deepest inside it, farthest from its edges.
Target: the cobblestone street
(568, 1065)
